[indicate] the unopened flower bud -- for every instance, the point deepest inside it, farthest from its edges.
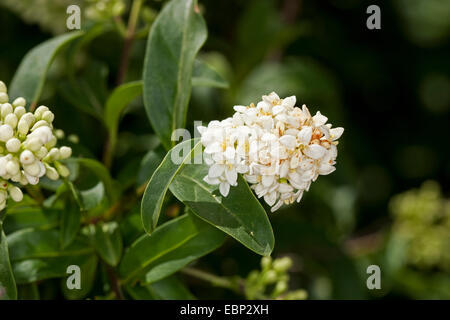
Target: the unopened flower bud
(6, 109)
(23, 127)
(53, 155)
(73, 138)
(40, 111)
(15, 193)
(33, 144)
(265, 262)
(280, 287)
(13, 145)
(38, 124)
(41, 153)
(270, 276)
(11, 119)
(3, 97)
(19, 102)
(48, 116)
(3, 87)
(282, 264)
(59, 133)
(62, 169)
(19, 112)
(12, 167)
(65, 152)
(51, 143)
(27, 157)
(6, 132)
(33, 180)
(51, 173)
(29, 118)
(33, 169)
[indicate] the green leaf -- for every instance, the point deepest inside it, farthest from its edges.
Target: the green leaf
(102, 173)
(171, 246)
(31, 217)
(29, 79)
(174, 40)
(32, 243)
(37, 269)
(149, 163)
(170, 288)
(239, 214)
(88, 271)
(116, 103)
(108, 241)
(8, 290)
(93, 197)
(204, 75)
(70, 223)
(159, 182)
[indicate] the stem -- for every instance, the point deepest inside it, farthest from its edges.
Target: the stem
(129, 38)
(115, 283)
(124, 62)
(213, 279)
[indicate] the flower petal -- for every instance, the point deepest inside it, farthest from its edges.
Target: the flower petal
(224, 188)
(216, 170)
(315, 151)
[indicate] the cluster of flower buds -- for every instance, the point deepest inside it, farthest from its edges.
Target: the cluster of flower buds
(279, 148)
(273, 274)
(27, 147)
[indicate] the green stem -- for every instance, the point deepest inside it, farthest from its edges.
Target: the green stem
(129, 38)
(213, 279)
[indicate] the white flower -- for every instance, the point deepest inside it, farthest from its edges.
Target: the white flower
(279, 148)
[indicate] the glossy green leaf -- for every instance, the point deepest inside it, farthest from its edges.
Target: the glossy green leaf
(174, 40)
(37, 269)
(29, 79)
(149, 163)
(162, 177)
(108, 241)
(204, 75)
(88, 271)
(93, 197)
(8, 289)
(239, 214)
(31, 217)
(70, 222)
(170, 288)
(116, 103)
(170, 247)
(34, 243)
(98, 169)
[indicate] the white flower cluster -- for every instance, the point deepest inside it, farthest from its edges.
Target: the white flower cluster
(27, 147)
(277, 147)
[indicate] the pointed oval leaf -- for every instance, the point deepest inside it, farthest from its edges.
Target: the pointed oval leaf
(159, 182)
(239, 214)
(174, 40)
(170, 247)
(29, 79)
(116, 103)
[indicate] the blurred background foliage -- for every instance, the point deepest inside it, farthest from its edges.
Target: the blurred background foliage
(387, 203)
